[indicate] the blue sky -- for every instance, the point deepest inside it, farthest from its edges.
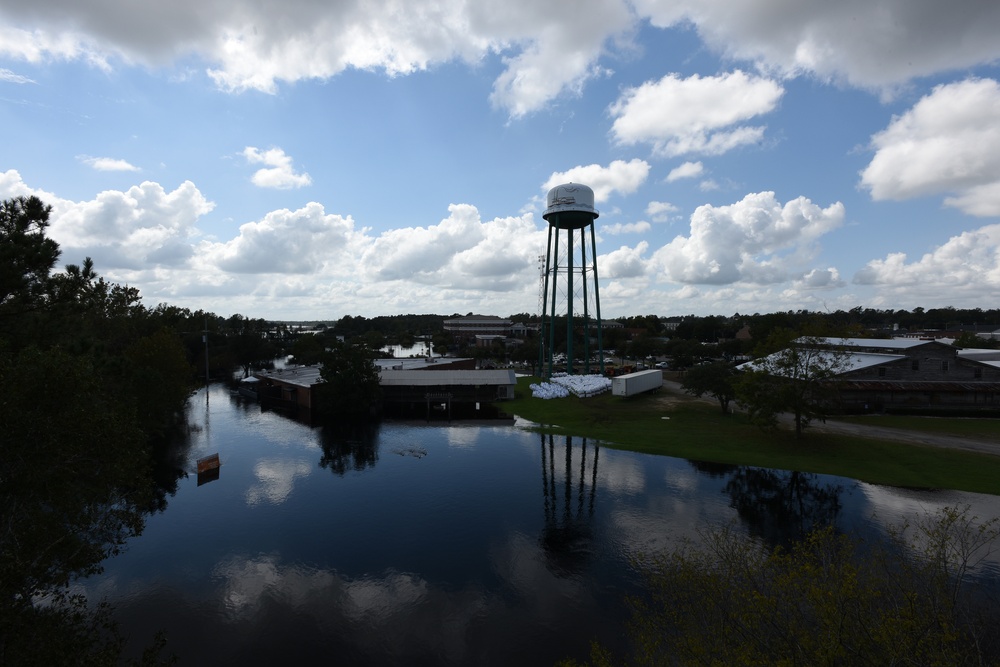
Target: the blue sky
(305, 160)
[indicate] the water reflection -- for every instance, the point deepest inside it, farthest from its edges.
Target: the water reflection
(349, 447)
(276, 478)
(448, 554)
(170, 455)
(567, 534)
(782, 506)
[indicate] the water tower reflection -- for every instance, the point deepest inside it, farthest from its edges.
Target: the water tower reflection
(569, 512)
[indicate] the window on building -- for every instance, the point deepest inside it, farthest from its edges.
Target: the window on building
(978, 373)
(881, 371)
(915, 365)
(944, 365)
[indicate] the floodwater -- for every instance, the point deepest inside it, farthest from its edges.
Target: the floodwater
(417, 544)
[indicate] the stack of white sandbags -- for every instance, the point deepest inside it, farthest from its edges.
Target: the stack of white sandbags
(561, 385)
(549, 390)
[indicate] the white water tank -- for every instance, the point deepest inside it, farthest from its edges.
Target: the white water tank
(570, 206)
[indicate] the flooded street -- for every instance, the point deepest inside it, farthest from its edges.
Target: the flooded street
(415, 544)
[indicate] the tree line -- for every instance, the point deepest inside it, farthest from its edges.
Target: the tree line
(94, 386)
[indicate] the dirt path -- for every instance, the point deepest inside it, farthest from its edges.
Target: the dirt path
(673, 393)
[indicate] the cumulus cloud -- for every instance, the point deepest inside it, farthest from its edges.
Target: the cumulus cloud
(561, 44)
(756, 240)
(131, 229)
(828, 278)
(460, 252)
(949, 142)
(867, 43)
(547, 49)
(279, 173)
(619, 176)
(318, 262)
(679, 116)
(686, 170)
(625, 262)
(660, 211)
(284, 241)
(966, 265)
(626, 228)
(108, 164)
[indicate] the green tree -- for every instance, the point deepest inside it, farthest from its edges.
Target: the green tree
(90, 376)
(350, 388)
(27, 256)
(309, 349)
(715, 379)
(793, 380)
(74, 485)
(527, 353)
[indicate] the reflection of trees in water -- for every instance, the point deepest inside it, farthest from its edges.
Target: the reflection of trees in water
(713, 470)
(168, 466)
(349, 446)
(74, 487)
(569, 511)
(782, 506)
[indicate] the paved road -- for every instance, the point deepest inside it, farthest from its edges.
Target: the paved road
(880, 432)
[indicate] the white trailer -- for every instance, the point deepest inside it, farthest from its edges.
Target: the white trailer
(636, 383)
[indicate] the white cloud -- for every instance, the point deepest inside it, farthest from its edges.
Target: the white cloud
(108, 164)
(868, 43)
(828, 278)
(316, 262)
(967, 265)
(694, 115)
(560, 44)
(279, 174)
(660, 211)
(461, 252)
(686, 170)
(12, 77)
(625, 262)
(548, 49)
(756, 240)
(130, 229)
(948, 142)
(285, 242)
(979, 200)
(618, 228)
(619, 176)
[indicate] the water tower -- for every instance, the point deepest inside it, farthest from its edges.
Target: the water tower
(570, 209)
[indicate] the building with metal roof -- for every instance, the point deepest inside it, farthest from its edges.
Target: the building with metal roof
(903, 374)
(417, 387)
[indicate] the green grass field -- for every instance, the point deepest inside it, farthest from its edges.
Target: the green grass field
(676, 425)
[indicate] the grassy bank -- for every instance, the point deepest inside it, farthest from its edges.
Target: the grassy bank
(682, 427)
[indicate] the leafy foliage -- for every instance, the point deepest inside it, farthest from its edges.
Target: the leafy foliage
(90, 377)
(715, 379)
(794, 380)
(350, 387)
(827, 600)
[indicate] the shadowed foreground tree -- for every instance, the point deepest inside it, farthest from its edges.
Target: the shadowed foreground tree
(89, 377)
(828, 600)
(715, 379)
(74, 486)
